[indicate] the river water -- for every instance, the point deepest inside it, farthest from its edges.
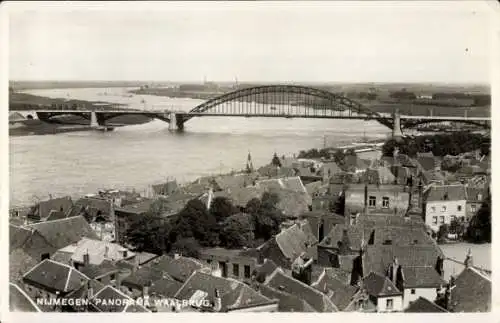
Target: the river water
(137, 156)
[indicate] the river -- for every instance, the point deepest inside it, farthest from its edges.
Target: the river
(136, 156)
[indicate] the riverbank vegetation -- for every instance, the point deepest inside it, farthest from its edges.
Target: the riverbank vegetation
(439, 144)
(223, 225)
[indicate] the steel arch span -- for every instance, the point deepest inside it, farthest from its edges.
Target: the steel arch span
(315, 103)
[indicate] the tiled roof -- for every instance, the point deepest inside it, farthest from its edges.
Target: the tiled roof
(96, 271)
(287, 302)
(179, 268)
(284, 283)
(293, 203)
(313, 187)
(18, 236)
(329, 168)
(19, 301)
(422, 277)
(105, 300)
(143, 276)
(62, 256)
(380, 175)
(166, 287)
(140, 207)
(97, 203)
(54, 276)
(355, 233)
(61, 233)
(293, 242)
(379, 286)
(56, 204)
(236, 181)
(266, 269)
(98, 251)
(233, 293)
(338, 291)
(472, 292)
(19, 263)
(476, 194)
(144, 257)
(377, 258)
(240, 197)
(402, 235)
(423, 305)
(453, 193)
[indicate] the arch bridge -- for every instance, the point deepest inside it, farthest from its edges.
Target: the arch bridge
(283, 101)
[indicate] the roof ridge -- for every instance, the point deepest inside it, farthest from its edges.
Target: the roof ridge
(186, 281)
(478, 272)
(52, 221)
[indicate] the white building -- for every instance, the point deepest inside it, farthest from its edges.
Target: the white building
(443, 204)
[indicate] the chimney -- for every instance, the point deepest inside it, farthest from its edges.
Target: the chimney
(106, 250)
(439, 266)
(345, 246)
(468, 259)
(86, 258)
(90, 290)
(217, 301)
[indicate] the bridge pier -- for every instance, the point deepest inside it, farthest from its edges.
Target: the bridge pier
(397, 134)
(172, 126)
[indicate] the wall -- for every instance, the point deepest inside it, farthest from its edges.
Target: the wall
(427, 293)
(397, 302)
(451, 210)
(230, 261)
(398, 200)
(470, 212)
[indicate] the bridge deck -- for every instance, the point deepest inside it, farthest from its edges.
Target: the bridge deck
(310, 114)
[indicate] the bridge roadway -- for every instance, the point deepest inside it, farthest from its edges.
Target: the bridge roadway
(309, 114)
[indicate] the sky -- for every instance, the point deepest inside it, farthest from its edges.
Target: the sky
(252, 41)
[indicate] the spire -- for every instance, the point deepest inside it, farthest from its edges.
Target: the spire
(249, 163)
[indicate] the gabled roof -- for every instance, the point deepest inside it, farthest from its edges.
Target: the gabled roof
(63, 232)
(472, 292)
(98, 203)
(476, 194)
(329, 168)
(287, 302)
(143, 276)
(377, 258)
(54, 276)
(19, 263)
(56, 204)
(379, 286)
(109, 299)
(294, 241)
(266, 269)
(19, 300)
(167, 287)
(96, 271)
(18, 236)
(423, 305)
(427, 163)
(447, 193)
(179, 268)
(422, 277)
(338, 291)
(233, 293)
(380, 175)
(284, 283)
(98, 251)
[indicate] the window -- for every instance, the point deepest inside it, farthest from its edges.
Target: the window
(372, 201)
(236, 270)
(434, 220)
(223, 267)
(413, 291)
(247, 271)
(389, 304)
(112, 276)
(385, 202)
(433, 209)
(387, 242)
(441, 219)
(443, 209)
(473, 208)
(462, 219)
(453, 218)
(459, 208)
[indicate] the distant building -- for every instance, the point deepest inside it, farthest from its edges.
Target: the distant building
(475, 198)
(42, 210)
(444, 204)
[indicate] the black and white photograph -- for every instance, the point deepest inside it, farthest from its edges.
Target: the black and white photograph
(235, 157)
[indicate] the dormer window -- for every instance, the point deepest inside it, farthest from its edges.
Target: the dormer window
(387, 242)
(479, 197)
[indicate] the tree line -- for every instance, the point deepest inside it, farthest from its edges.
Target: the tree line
(440, 144)
(222, 225)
